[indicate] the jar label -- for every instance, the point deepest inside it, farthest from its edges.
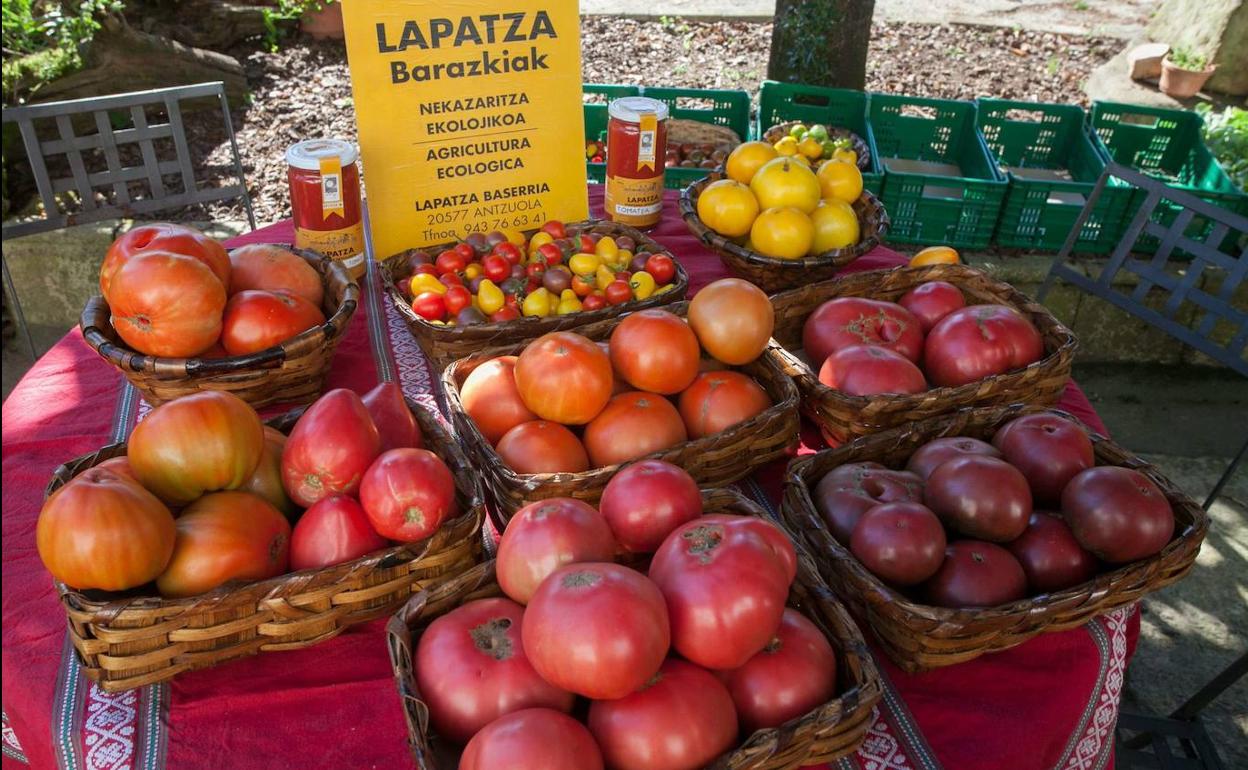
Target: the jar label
(636, 202)
(345, 244)
(331, 187)
(646, 140)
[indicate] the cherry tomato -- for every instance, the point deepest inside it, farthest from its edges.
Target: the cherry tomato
(496, 268)
(594, 302)
(662, 268)
(507, 312)
(535, 269)
(456, 299)
(555, 228)
(451, 261)
(587, 244)
(618, 292)
(430, 306)
(466, 251)
(582, 287)
(451, 279)
(510, 252)
(425, 268)
(551, 253)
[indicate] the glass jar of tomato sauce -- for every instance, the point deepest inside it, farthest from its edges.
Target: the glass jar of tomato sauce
(636, 151)
(325, 199)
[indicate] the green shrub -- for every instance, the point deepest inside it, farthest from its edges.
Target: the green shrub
(48, 38)
(1226, 133)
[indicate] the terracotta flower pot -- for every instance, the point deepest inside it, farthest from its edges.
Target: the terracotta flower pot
(325, 24)
(1181, 83)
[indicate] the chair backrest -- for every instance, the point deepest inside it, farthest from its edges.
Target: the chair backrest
(132, 157)
(1197, 269)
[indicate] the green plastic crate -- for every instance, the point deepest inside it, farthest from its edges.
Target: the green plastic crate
(1167, 145)
(1052, 165)
(705, 105)
(931, 207)
(840, 107)
(596, 120)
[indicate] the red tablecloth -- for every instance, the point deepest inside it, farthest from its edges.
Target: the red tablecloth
(1051, 703)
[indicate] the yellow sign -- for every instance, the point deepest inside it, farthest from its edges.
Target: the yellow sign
(469, 116)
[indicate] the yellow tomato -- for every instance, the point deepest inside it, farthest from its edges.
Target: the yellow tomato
(472, 271)
(783, 232)
(840, 181)
(603, 277)
(422, 282)
(747, 158)
(786, 146)
(607, 248)
(539, 303)
(845, 155)
(811, 148)
(568, 303)
(935, 255)
(785, 182)
(836, 226)
(539, 239)
(490, 297)
(584, 264)
(642, 284)
(727, 207)
(514, 236)
(622, 257)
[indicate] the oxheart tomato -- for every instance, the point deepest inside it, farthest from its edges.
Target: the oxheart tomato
(596, 629)
(869, 370)
(166, 305)
(846, 321)
(1118, 514)
(225, 536)
(408, 493)
(274, 268)
(977, 342)
(546, 535)
(258, 320)
(104, 531)
(794, 673)
(932, 301)
(733, 320)
(195, 444)
(564, 377)
(848, 491)
(266, 480)
(981, 497)
(334, 530)
(632, 426)
(119, 466)
(471, 669)
(725, 579)
(396, 425)
(656, 351)
(976, 574)
(329, 449)
(645, 501)
(490, 397)
(532, 739)
(683, 718)
(171, 239)
(542, 447)
(718, 400)
(929, 457)
(1049, 450)
(901, 543)
(1050, 555)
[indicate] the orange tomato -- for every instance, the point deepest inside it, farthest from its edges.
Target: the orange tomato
(274, 268)
(632, 426)
(733, 320)
(935, 255)
(718, 400)
(655, 350)
(564, 377)
(542, 446)
(166, 304)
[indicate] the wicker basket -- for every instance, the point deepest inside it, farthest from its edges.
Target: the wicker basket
(444, 344)
(825, 734)
(856, 143)
(920, 637)
(136, 638)
(772, 274)
(713, 461)
(844, 417)
(293, 372)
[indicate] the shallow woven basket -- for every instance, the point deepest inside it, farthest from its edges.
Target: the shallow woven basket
(291, 373)
(856, 143)
(825, 734)
(136, 638)
(844, 417)
(444, 344)
(713, 461)
(920, 637)
(768, 273)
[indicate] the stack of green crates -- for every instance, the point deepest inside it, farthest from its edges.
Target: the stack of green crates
(782, 102)
(941, 186)
(1052, 164)
(596, 121)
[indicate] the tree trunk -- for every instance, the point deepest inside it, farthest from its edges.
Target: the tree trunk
(821, 42)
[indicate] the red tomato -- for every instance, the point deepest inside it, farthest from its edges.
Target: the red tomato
(456, 299)
(976, 574)
(395, 423)
(427, 268)
(981, 497)
(334, 530)
(266, 480)
(725, 579)
(1050, 555)
(655, 350)
(450, 279)
(869, 370)
(980, 341)
(195, 444)
(166, 305)
(1048, 449)
(104, 531)
(845, 321)
(632, 426)
(168, 238)
(466, 251)
(929, 457)
(733, 320)
(329, 449)
(258, 320)
(550, 253)
(532, 739)
(430, 306)
(901, 543)
(496, 268)
(932, 301)
(546, 535)
(594, 302)
(582, 287)
(510, 252)
(225, 536)
(792, 675)
(645, 501)
(1118, 514)
(587, 243)
(564, 377)
(618, 292)
(682, 719)
(596, 629)
(535, 269)
(555, 229)
(662, 268)
(471, 669)
(408, 493)
(451, 261)
(848, 491)
(505, 313)
(490, 397)
(718, 400)
(542, 446)
(268, 267)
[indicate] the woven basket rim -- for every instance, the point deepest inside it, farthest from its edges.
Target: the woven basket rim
(860, 143)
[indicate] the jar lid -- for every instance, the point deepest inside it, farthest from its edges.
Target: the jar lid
(308, 153)
(630, 108)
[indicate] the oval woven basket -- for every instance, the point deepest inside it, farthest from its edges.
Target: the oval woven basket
(713, 461)
(771, 274)
(844, 417)
(136, 638)
(856, 143)
(920, 637)
(444, 344)
(824, 734)
(292, 372)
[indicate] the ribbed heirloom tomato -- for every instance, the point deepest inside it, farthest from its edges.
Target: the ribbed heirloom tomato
(848, 491)
(656, 351)
(165, 304)
(273, 268)
(845, 321)
(980, 341)
(257, 320)
(868, 370)
(564, 377)
(171, 239)
(331, 446)
(532, 739)
(546, 535)
(632, 426)
(490, 397)
(408, 493)
(718, 400)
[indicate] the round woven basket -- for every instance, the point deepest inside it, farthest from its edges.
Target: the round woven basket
(292, 372)
(136, 638)
(771, 274)
(824, 734)
(856, 143)
(920, 637)
(444, 344)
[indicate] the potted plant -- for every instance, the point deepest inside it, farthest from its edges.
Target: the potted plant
(1183, 73)
(322, 20)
